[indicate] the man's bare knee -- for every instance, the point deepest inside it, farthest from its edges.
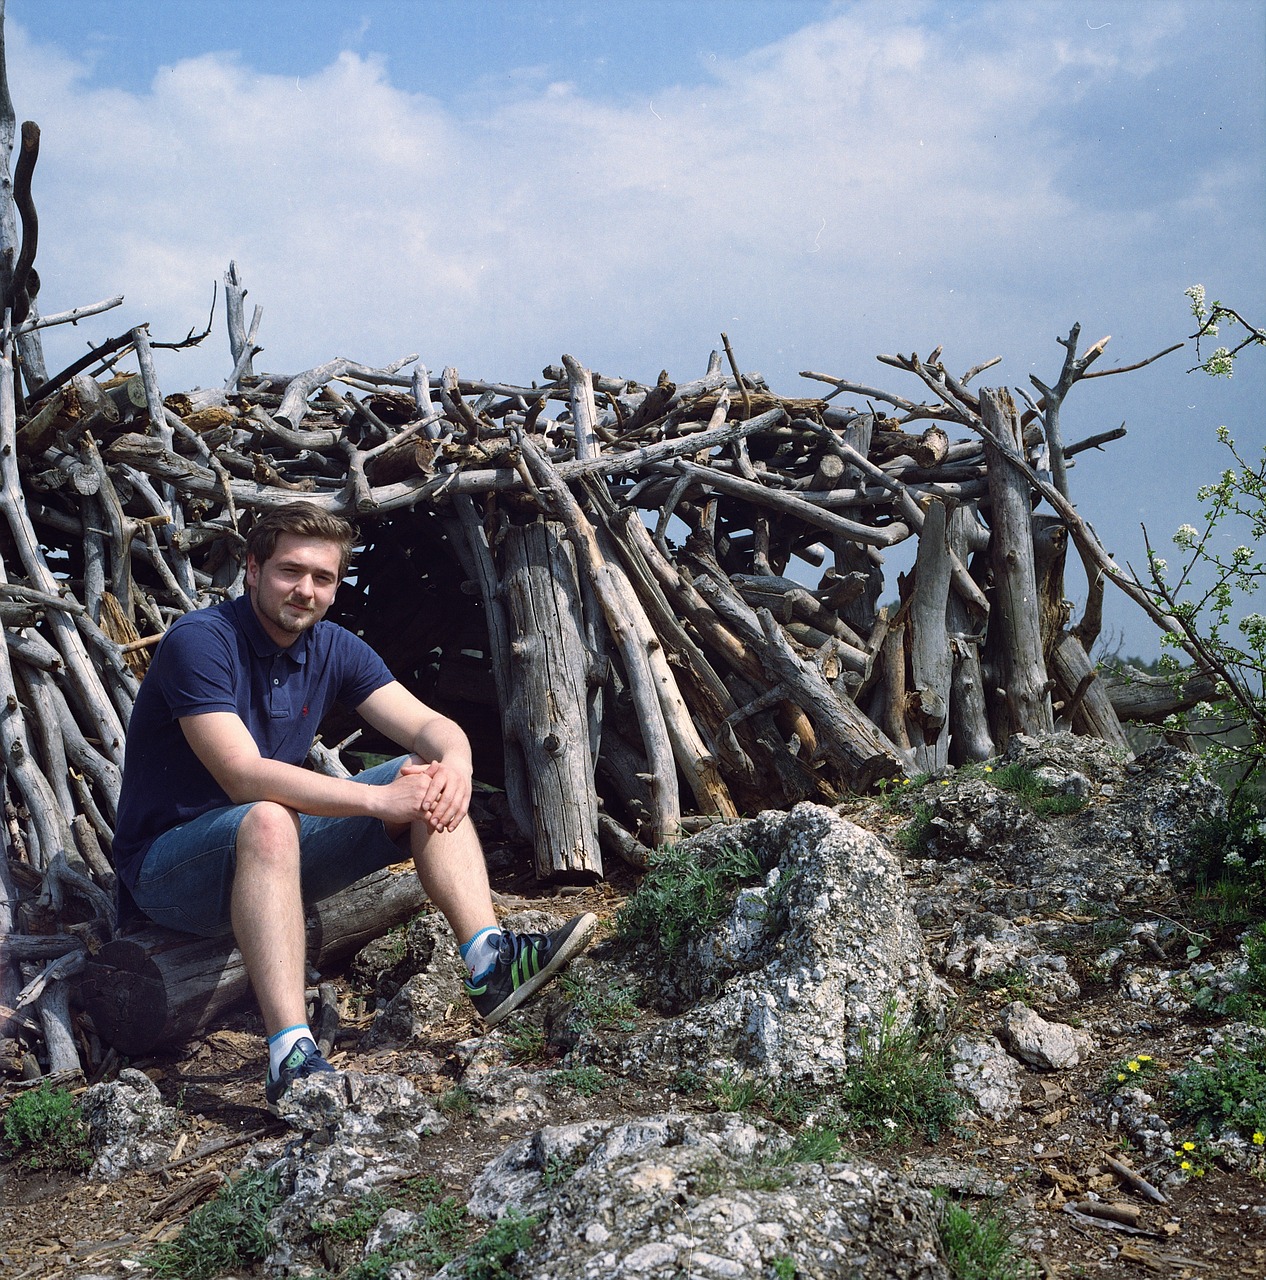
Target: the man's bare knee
(269, 832)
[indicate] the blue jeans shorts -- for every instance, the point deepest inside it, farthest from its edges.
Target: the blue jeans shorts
(186, 880)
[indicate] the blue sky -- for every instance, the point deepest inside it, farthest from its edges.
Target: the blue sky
(490, 185)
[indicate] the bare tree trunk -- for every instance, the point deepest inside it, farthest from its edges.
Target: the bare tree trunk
(546, 712)
(1027, 688)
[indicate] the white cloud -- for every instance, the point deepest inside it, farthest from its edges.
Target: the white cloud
(836, 184)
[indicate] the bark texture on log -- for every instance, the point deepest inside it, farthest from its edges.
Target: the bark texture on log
(157, 987)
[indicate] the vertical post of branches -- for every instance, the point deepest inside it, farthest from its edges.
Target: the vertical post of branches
(1026, 687)
(30, 347)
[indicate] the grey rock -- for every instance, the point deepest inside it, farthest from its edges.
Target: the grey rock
(801, 970)
(1053, 1046)
(129, 1125)
(706, 1196)
(985, 1073)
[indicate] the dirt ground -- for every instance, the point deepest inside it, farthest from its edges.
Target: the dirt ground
(1051, 1154)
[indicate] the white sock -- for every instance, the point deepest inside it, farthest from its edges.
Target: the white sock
(480, 953)
(279, 1045)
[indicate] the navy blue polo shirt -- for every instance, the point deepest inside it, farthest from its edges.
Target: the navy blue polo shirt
(221, 659)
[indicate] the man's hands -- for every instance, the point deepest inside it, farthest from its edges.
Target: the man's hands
(436, 793)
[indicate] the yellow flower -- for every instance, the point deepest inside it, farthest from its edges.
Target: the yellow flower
(945, 782)
(988, 768)
(1120, 1075)
(1186, 1164)
(1188, 1146)
(1145, 1057)
(1259, 1138)
(1133, 1065)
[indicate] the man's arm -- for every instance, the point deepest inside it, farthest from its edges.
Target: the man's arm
(226, 749)
(439, 743)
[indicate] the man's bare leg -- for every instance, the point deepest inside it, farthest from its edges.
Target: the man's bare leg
(451, 868)
(267, 913)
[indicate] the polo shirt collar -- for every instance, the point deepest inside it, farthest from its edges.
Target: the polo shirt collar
(263, 644)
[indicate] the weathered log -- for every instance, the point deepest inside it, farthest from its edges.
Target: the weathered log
(1026, 693)
(546, 711)
(614, 593)
(1139, 697)
(158, 988)
(928, 696)
(1087, 705)
(970, 739)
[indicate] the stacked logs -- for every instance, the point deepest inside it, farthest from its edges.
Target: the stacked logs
(652, 606)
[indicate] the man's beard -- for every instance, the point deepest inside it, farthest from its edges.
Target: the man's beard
(299, 619)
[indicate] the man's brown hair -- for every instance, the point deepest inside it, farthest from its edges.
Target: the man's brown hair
(305, 520)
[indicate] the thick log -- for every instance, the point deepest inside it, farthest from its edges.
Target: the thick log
(971, 740)
(1087, 702)
(1147, 699)
(619, 606)
(928, 697)
(547, 712)
(856, 747)
(158, 988)
(1026, 692)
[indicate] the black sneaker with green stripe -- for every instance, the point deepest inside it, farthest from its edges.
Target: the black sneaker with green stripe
(525, 963)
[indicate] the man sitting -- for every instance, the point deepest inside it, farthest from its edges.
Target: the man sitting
(219, 825)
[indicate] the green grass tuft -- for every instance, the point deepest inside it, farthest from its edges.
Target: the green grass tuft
(44, 1129)
(1226, 1091)
(979, 1248)
(684, 895)
(230, 1233)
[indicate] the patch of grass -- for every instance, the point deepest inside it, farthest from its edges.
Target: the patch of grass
(734, 1091)
(558, 1169)
(913, 836)
(597, 1006)
(526, 1042)
(684, 895)
(44, 1129)
(1038, 797)
(1248, 1002)
(1228, 1091)
(457, 1103)
(1129, 1072)
(494, 1255)
(229, 1233)
(1226, 864)
(428, 1244)
(588, 1081)
(900, 1085)
(979, 1248)
(1014, 982)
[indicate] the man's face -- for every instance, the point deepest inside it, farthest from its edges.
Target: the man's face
(294, 587)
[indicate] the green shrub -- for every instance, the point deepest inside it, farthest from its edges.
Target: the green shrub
(684, 895)
(227, 1234)
(494, 1255)
(44, 1129)
(1249, 1001)
(1038, 797)
(587, 1081)
(429, 1243)
(526, 1042)
(899, 1086)
(1228, 1091)
(978, 1248)
(598, 1006)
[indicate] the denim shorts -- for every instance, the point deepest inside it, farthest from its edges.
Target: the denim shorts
(186, 880)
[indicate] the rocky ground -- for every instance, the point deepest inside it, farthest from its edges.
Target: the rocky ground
(1050, 951)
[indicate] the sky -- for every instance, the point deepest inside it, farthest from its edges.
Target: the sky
(490, 185)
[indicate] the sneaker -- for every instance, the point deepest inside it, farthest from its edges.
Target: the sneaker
(305, 1059)
(525, 963)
